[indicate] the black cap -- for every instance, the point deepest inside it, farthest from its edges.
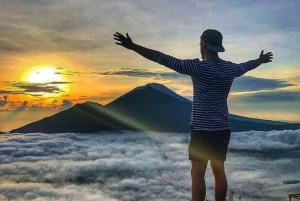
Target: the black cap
(213, 40)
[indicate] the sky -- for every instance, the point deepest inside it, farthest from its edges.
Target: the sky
(54, 54)
(145, 166)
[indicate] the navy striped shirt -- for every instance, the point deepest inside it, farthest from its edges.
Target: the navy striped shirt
(212, 80)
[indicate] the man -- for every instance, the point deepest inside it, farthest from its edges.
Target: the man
(212, 79)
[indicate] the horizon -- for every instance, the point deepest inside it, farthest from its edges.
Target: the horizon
(56, 111)
(55, 54)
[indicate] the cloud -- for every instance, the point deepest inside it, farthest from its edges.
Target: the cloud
(9, 46)
(23, 107)
(74, 44)
(62, 82)
(66, 104)
(249, 83)
(141, 166)
(10, 92)
(129, 72)
(35, 108)
(294, 181)
(4, 102)
(270, 96)
(53, 30)
(140, 72)
(33, 191)
(34, 89)
(266, 141)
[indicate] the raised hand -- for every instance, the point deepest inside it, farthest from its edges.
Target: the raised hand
(265, 58)
(123, 41)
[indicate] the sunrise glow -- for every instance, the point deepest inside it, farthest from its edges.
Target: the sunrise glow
(43, 75)
(47, 80)
(53, 54)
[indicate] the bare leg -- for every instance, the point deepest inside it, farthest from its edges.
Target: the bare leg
(220, 179)
(198, 181)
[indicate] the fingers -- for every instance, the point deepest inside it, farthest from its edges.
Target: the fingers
(118, 36)
(268, 56)
(269, 53)
(121, 36)
(118, 39)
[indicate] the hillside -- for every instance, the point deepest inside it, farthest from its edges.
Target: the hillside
(152, 107)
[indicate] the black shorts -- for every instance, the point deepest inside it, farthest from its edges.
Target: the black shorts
(209, 145)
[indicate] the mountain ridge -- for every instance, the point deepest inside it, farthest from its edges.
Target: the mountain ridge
(152, 107)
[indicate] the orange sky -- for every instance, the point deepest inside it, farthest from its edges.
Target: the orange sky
(54, 54)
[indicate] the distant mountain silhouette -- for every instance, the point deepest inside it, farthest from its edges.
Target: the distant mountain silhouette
(82, 118)
(152, 107)
(163, 89)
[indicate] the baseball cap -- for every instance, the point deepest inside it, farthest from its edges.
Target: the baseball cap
(213, 40)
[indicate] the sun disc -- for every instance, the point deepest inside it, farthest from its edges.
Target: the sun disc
(46, 76)
(43, 75)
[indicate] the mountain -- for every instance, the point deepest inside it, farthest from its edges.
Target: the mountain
(82, 118)
(152, 107)
(163, 89)
(241, 118)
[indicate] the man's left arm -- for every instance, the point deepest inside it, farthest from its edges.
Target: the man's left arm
(242, 68)
(181, 66)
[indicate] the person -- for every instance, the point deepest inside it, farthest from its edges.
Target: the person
(210, 126)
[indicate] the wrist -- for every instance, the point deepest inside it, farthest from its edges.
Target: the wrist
(259, 61)
(133, 46)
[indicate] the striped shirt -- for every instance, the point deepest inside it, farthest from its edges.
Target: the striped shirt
(212, 80)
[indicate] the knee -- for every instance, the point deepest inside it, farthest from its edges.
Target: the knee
(219, 173)
(218, 169)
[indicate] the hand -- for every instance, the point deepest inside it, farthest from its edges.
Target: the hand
(265, 58)
(123, 41)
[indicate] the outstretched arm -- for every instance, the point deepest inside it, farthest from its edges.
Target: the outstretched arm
(250, 65)
(127, 43)
(187, 67)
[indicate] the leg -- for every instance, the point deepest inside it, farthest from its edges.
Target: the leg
(220, 179)
(198, 181)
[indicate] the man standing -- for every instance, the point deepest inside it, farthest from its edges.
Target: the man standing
(210, 126)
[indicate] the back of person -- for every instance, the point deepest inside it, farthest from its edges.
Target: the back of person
(212, 79)
(210, 91)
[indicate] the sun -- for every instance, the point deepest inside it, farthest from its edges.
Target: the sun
(46, 77)
(43, 75)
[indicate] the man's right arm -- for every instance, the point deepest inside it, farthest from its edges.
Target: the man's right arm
(250, 65)
(187, 66)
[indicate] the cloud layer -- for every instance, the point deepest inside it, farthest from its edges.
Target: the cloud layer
(34, 89)
(249, 83)
(270, 97)
(141, 166)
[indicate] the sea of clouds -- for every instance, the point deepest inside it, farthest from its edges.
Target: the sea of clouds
(129, 166)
